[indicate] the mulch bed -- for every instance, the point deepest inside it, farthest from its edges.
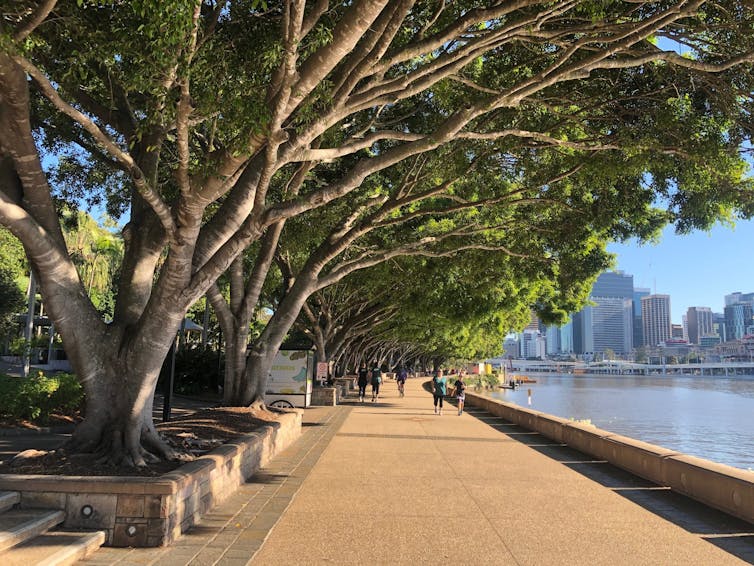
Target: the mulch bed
(191, 435)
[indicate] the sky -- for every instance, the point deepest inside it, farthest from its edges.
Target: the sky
(696, 270)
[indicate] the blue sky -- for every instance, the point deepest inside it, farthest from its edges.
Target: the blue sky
(696, 270)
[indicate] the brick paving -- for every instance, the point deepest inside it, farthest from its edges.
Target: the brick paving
(234, 530)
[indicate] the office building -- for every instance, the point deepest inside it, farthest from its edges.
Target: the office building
(607, 324)
(638, 329)
(718, 325)
(699, 323)
(739, 297)
(655, 315)
(532, 345)
(739, 319)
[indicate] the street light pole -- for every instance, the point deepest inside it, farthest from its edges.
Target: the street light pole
(29, 329)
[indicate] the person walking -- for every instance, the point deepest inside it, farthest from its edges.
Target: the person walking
(362, 380)
(460, 390)
(439, 385)
(401, 379)
(376, 380)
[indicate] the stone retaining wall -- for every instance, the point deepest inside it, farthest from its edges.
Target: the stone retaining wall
(325, 396)
(723, 487)
(145, 512)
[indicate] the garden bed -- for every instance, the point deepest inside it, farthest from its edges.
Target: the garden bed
(154, 505)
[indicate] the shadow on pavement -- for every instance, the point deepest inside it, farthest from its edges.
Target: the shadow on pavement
(733, 535)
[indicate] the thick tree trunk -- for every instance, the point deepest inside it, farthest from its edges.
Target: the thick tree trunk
(235, 364)
(118, 425)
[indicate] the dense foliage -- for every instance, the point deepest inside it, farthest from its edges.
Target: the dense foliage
(37, 397)
(535, 131)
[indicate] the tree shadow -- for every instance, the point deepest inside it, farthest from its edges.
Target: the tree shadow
(729, 533)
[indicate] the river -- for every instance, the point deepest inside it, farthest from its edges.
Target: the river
(708, 417)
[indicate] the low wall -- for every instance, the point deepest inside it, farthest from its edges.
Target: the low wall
(723, 487)
(145, 512)
(325, 396)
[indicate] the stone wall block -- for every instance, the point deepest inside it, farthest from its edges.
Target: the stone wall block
(724, 487)
(44, 500)
(130, 506)
(90, 511)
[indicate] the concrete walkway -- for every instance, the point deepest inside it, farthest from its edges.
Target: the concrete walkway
(393, 483)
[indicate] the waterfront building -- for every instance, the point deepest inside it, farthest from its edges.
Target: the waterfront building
(741, 350)
(607, 324)
(612, 319)
(566, 337)
(552, 340)
(699, 322)
(532, 345)
(638, 328)
(739, 317)
(655, 315)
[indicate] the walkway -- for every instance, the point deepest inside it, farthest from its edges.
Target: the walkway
(392, 483)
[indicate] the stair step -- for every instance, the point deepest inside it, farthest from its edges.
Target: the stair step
(19, 525)
(58, 548)
(8, 499)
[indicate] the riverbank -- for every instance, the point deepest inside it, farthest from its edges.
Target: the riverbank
(706, 417)
(391, 482)
(723, 487)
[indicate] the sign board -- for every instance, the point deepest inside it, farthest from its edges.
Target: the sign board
(290, 378)
(322, 370)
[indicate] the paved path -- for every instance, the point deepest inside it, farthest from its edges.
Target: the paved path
(392, 483)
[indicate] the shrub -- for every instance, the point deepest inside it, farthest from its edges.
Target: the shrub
(36, 398)
(197, 370)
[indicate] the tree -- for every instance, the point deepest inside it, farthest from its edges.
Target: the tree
(12, 262)
(189, 113)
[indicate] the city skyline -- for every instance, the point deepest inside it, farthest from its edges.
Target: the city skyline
(696, 270)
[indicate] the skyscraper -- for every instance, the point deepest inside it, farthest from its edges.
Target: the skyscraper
(699, 323)
(639, 292)
(739, 319)
(608, 323)
(655, 315)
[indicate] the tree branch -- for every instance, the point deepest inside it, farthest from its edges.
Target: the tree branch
(154, 200)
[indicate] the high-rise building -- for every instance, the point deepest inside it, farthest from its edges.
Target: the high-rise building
(615, 284)
(532, 345)
(552, 340)
(612, 319)
(699, 323)
(655, 315)
(608, 323)
(566, 337)
(739, 297)
(559, 339)
(739, 318)
(639, 292)
(718, 325)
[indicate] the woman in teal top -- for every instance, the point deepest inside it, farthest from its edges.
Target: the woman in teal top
(438, 389)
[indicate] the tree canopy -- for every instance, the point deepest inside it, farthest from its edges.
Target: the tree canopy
(215, 123)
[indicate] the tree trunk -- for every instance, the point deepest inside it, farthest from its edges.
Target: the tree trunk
(263, 350)
(118, 425)
(236, 343)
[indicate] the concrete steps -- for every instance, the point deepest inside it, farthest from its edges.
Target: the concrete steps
(26, 537)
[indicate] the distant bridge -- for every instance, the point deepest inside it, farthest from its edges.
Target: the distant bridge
(717, 369)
